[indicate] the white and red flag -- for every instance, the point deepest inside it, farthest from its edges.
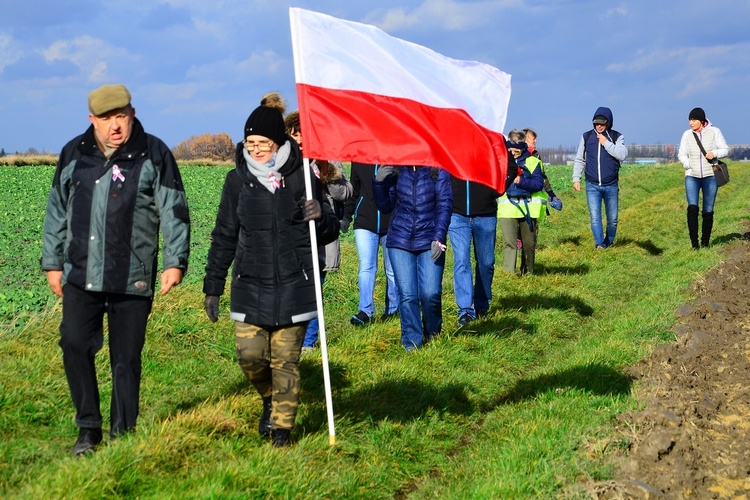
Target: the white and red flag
(366, 96)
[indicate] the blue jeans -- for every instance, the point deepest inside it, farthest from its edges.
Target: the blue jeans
(482, 231)
(420, 288)
(595, 194)
(367, 250)
(311, 335)
(693, 186)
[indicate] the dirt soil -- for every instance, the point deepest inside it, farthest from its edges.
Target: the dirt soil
(692, 437)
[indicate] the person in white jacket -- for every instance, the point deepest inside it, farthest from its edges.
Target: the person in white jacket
(699, 174)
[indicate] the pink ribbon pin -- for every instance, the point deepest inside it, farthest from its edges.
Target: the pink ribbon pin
(274, 181)
(117, 175)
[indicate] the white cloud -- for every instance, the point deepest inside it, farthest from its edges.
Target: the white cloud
(442, 14)
(93, 56)
(700, 81)
(621, 10)
(265, 63)
(10, 52)
(693, 70)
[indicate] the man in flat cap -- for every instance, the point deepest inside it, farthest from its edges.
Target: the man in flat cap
(115, 188)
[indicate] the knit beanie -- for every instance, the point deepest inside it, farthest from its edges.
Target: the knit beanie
(267, 120)
(698, 114)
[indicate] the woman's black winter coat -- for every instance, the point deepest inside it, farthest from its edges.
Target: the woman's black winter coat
(265, 238)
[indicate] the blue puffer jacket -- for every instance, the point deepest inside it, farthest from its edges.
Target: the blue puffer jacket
(421, 203)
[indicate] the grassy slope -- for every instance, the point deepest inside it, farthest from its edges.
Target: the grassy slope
(520, 404)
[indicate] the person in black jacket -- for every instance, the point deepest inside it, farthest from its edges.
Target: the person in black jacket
(262, 230)
(370, 234)
(115, 189)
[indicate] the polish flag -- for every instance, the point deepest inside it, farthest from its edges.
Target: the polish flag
(366, 96)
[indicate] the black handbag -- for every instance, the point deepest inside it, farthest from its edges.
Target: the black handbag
(721, 171)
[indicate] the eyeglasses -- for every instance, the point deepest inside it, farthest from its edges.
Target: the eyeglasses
(263, 146)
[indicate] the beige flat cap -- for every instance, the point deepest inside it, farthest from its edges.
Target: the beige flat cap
(108, 97)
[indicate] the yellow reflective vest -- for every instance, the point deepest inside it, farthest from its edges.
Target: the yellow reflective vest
(536, 205)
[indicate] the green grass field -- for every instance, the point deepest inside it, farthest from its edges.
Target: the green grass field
(522, 404)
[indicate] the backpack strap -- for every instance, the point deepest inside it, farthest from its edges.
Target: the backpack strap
(527, 213)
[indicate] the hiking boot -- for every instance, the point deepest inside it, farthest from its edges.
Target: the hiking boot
(464, 320)
(264, 426)
(280, 437)
(360, 319)
(88, 440)
(481, 313)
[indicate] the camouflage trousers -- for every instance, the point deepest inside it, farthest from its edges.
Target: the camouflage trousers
(270, 360)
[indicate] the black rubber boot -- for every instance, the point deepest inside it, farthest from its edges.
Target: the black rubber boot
(692, 223)
(280, 437)
(264, 426)
(708, 225)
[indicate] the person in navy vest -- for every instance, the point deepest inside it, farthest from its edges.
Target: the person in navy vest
(600, 153)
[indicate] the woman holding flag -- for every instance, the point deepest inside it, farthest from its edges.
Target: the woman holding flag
(262, 230)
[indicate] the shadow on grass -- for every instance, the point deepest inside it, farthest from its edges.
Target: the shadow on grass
(396, 400)
(540, 269)
(727, 238)
(596, 379)
(500, 328)
(647, 245)
(573, 240)
(563, 302)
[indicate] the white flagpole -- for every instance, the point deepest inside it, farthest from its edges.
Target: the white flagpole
(321, 319)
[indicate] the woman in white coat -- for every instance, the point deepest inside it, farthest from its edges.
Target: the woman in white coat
(699, 174)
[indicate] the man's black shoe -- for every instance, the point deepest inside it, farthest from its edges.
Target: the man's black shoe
(387, 316)
(88, 440)
(264, 426)
(360, 319)
(464, 320)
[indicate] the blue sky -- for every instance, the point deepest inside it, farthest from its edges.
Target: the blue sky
(197, 66)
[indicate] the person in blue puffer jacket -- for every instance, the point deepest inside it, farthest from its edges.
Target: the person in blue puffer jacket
(421, 200)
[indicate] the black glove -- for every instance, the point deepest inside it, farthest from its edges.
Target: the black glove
(436, 250)
(345, 225)
(311, 210)
(211, 303)
(384, 172)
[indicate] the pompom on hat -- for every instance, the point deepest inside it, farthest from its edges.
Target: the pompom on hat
(697, 114)
(108, 97)
(267, 120)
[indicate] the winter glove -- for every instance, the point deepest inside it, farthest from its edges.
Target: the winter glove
(211, 303)
(384, 172)
(311, 210)
(345, 225)
(555, 202)
(436, 250)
